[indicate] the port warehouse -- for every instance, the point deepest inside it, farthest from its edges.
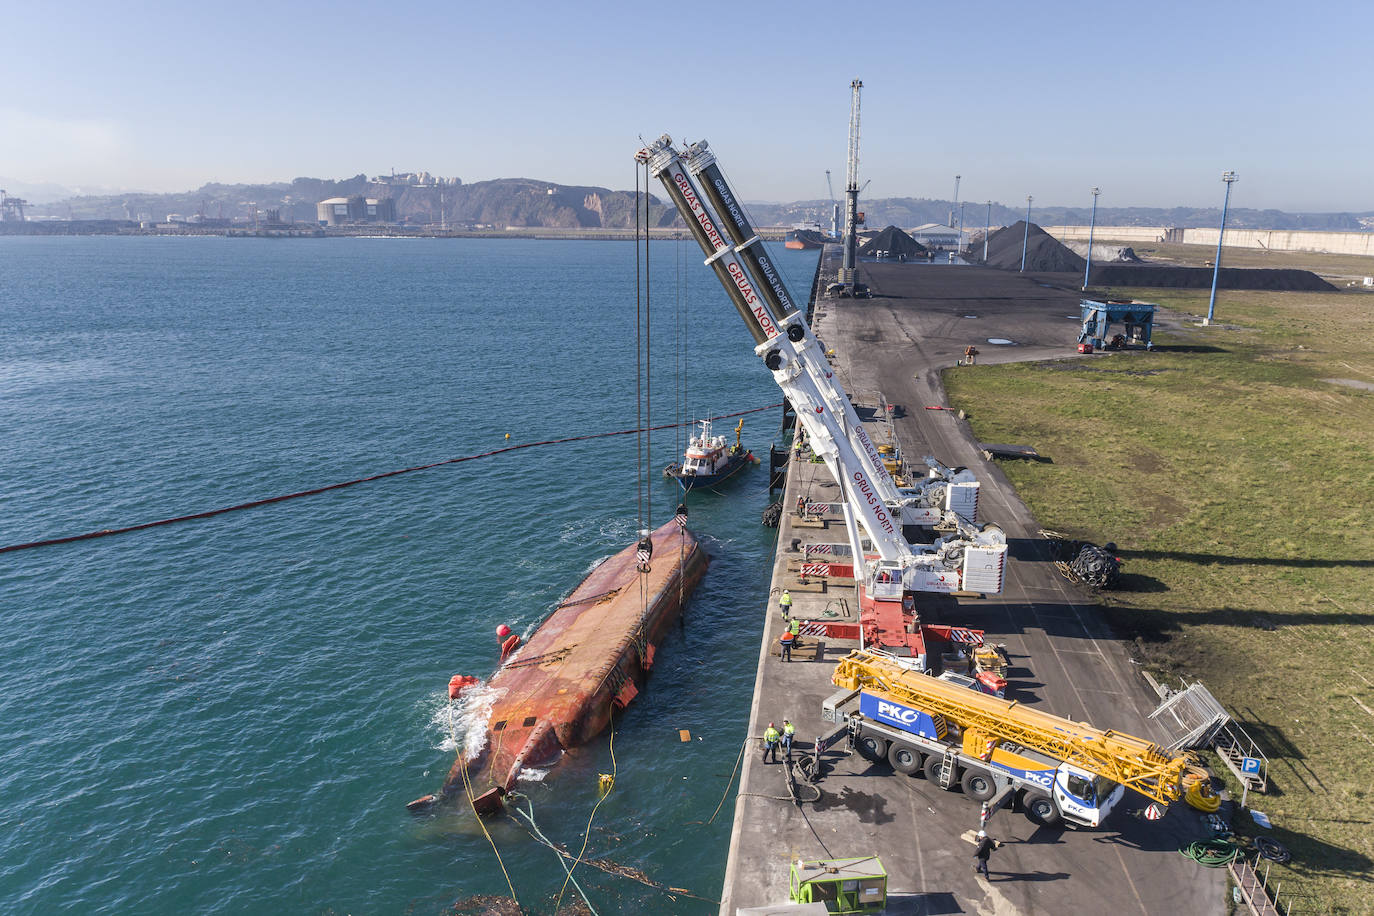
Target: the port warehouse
(1359, 243)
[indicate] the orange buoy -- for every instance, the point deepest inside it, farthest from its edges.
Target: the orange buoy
(460, 682)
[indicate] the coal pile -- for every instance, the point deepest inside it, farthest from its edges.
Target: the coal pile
(894, 243)
(1044, 253)
(1201, 277)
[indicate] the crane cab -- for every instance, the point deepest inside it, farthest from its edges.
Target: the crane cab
(1084, 799)
(884, 580)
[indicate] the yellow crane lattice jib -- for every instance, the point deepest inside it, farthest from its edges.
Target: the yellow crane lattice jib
(1133, 762)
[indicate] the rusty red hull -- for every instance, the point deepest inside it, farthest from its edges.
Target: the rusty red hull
(586, 660)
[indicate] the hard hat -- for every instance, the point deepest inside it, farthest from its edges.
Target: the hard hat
(771, 725)
(982, 833)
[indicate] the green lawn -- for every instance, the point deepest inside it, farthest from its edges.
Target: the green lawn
(1238, 487)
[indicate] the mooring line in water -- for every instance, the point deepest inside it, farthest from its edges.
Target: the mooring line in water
(49, 542)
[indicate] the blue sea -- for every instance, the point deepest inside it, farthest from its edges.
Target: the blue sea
(228, 715)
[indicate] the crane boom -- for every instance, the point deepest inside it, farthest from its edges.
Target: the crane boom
(851, 220)
(969, 560)
(834, 207)
(1132, 762)
(788, 348)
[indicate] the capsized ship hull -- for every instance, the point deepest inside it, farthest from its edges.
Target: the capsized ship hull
(584, 661)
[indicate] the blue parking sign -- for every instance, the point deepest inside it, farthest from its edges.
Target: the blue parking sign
(1250, 766)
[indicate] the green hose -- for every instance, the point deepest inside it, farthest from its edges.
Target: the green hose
(1216, 853)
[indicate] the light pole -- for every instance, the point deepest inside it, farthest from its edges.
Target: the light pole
(1025, 237)
(956, 200)
(1091, 225)
(1228, 177)
(987, 227)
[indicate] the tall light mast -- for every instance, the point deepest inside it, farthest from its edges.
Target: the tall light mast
(851, 191)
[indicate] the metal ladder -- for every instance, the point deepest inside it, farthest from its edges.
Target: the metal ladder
(947, 769)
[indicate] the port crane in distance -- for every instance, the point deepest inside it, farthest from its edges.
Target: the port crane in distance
(1061, 770)
(890, 573)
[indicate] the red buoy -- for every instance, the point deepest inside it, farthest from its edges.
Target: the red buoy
(502, 631)
(460, 682)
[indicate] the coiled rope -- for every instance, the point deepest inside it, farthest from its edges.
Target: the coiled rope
(1215, 853)
(49, 542)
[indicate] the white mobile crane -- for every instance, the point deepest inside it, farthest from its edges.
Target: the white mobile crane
(1059, 769)
(972, 559)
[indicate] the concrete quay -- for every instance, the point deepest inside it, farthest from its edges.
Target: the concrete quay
(891, 348)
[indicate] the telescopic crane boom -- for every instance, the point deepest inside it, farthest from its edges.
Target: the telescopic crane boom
(973, 559)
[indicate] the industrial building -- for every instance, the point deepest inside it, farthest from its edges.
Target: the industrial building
(345, 211)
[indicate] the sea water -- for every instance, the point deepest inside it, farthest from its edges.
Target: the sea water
(229, 715)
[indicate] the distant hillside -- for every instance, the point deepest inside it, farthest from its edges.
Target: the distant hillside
(526, 202)
(503, 202)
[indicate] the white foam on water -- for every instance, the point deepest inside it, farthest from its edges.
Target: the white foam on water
(534, 774)
(463, 722)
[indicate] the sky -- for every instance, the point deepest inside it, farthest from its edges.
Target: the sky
(1150, 102)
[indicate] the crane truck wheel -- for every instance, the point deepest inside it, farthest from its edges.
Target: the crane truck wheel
(1040, 809)
(905, 758)
(873, 747)
(978, 785)
(931, 769)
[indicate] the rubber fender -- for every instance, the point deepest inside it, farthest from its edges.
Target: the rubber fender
(509, 645)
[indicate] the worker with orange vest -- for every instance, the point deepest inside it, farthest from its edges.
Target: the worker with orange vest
(787, 640)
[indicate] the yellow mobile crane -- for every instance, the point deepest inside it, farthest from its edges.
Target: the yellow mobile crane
(1063, 770)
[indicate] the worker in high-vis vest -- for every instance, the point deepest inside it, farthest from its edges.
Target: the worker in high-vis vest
(787, 641)
(788, 730)
(770, 743)
(785, 603)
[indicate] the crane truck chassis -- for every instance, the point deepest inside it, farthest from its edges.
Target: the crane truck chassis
(1059, 770)
(914, 742)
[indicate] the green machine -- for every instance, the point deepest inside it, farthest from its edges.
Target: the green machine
(844, 885)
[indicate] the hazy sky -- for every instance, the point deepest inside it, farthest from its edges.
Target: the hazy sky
(1150, 101)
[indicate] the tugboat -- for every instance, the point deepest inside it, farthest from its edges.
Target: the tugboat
(708, 461)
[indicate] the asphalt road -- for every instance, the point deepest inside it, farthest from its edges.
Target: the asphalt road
(892, 348)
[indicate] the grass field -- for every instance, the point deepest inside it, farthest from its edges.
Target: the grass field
(1238, 486)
